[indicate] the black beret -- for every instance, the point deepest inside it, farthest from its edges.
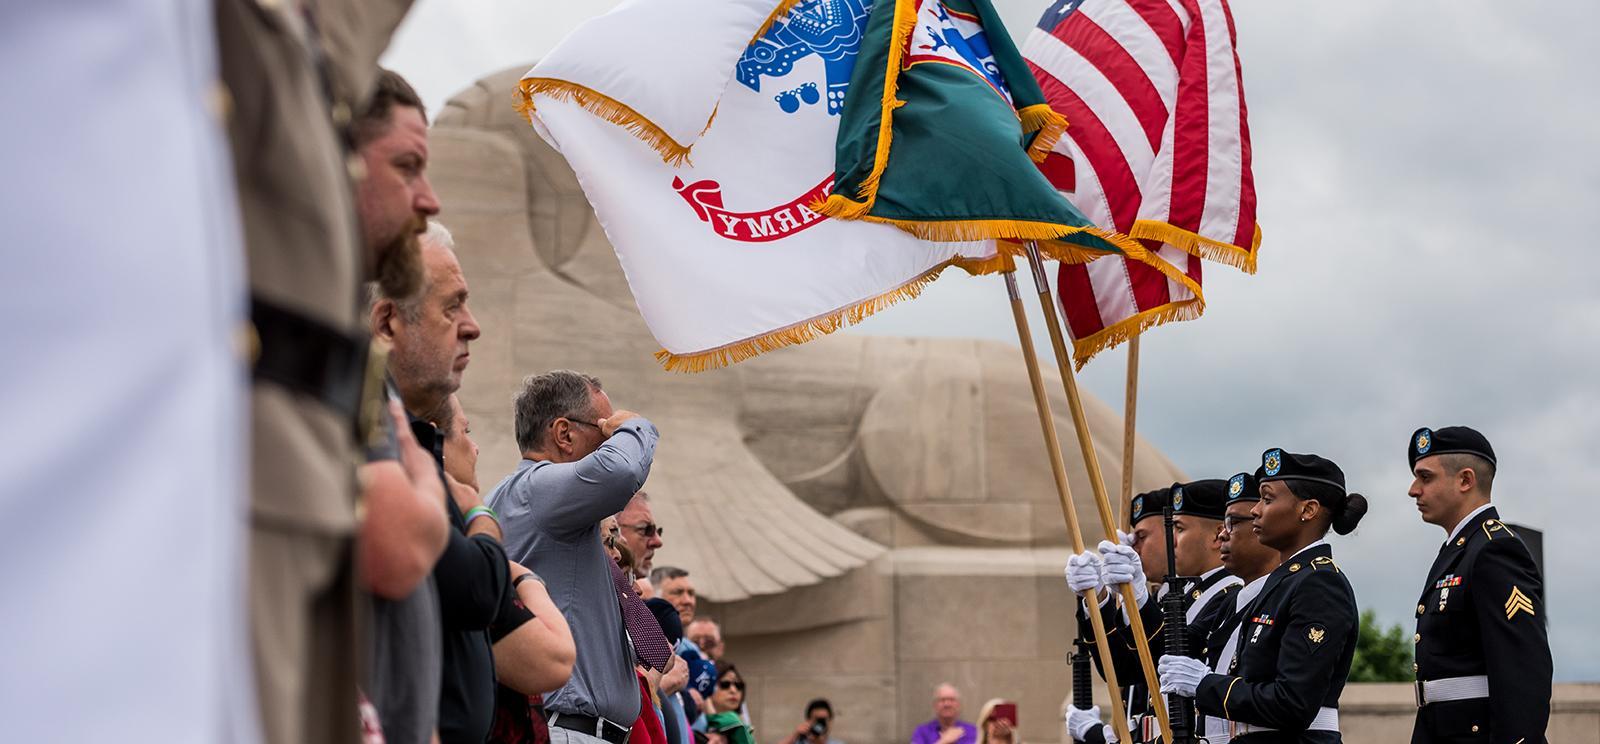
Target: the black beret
(1451, 440)
(1277, 465)
(1202, 498)
(1148, 504)
(1243, 487)
(667, 617)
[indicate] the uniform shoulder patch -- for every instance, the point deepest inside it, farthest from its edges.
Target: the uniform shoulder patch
(1495, 529)
(1316, 633)
(1518, 602)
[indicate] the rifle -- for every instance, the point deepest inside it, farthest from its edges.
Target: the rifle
(1180, 709)
(1082, 682)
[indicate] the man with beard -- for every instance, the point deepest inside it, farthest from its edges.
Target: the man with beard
(405, 526)
(429, 332)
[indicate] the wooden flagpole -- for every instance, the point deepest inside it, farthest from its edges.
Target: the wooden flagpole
(1130, 408)
(1069, 511)
(1096, 481)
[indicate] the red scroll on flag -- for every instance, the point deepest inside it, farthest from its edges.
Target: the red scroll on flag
(1157, 147)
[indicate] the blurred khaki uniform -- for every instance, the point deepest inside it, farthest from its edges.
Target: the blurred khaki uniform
(295, 72)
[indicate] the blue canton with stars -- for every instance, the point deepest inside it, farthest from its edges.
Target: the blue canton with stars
(1057, 11)
(830, 29)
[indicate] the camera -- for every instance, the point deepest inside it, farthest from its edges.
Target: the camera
(818, 728)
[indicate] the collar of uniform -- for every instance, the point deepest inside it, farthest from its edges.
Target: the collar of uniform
(1210, 578)
(1251, 589)
(1303, 550)
(1465, 521)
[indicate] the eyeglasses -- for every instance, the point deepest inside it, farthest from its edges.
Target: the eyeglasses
(731, 684)
(1229, 524)
(581, 422)
(648, 529)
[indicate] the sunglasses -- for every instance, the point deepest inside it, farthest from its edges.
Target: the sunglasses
(648, 529)
(730, 684)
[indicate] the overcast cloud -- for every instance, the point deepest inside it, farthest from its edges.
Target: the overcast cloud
(1428, 176)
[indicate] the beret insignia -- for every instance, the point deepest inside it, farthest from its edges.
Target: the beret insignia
(1177, 499)
(1236, 486)
(1424, 441)
(1138, 507)
(1272, 462)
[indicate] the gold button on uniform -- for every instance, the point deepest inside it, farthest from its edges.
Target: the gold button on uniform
(1294, 567)
(1413, 667)
(1417, 638)
(1474, 728)
(1461, 541)
(1419, 609)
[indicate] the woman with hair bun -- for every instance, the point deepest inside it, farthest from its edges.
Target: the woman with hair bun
(1298, 636)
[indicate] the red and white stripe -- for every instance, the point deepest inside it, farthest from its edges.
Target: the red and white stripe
(1157, 147)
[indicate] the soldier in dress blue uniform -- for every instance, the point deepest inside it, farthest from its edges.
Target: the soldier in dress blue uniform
(1197, 509)
(1483, 656)
(1298, 636)
(1087, 571)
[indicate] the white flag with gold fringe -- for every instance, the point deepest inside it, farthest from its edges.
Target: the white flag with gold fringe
(702, 132)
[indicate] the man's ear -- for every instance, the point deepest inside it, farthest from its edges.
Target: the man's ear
(384, 315)
(561, 435)
(1466, 480)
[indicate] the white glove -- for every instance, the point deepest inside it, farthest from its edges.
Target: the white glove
(1122, 567)
(1080, 722)
(1124, 538)
(1083, 572)
(1181, 674)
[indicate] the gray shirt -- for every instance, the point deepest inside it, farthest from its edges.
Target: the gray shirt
(405, 655)
(550, 515)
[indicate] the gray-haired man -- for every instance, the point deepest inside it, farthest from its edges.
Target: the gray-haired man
(582, 462)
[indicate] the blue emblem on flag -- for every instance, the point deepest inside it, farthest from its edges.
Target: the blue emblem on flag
(951, 37)
(830, 29)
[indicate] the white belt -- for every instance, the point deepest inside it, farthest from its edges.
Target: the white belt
(1453, 688)
(1327, 720)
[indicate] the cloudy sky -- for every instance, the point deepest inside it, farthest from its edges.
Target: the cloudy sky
(1429, 175)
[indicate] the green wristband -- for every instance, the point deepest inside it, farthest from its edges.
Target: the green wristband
(481, 511)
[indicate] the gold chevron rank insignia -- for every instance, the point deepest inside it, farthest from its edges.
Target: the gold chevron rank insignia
(1518, 602)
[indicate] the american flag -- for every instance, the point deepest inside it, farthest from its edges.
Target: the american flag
(1157, 147)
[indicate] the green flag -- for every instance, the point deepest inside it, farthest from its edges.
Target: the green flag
(942, 126)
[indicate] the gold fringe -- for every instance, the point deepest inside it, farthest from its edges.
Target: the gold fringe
(1049, 125)
(609, 109)
(1198, 245)
(840, 207)
(821, 325)
(1084, 349)
(1056, 250)
(783, 7)
(905, 21)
